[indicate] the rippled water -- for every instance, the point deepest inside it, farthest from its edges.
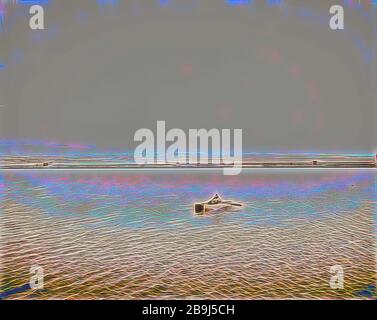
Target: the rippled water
(123, 234)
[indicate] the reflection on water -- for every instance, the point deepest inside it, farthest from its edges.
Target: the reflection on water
(123, 234)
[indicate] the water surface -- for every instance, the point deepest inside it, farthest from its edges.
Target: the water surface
(124, 234)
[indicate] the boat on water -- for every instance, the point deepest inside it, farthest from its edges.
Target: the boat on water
(215, 204)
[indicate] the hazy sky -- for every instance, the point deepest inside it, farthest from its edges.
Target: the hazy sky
(97, 74)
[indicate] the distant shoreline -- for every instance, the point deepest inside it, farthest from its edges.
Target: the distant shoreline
(108, 163)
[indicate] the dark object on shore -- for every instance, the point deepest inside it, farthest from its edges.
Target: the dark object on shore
(215, 204)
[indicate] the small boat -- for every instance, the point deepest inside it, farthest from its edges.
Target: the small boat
(215, 204)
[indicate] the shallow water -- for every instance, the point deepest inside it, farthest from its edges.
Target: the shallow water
(124, 234)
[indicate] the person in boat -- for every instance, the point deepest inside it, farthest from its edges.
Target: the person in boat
(215, 199)
(216, 203)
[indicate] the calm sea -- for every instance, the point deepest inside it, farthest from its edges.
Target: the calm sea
(133, 234)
